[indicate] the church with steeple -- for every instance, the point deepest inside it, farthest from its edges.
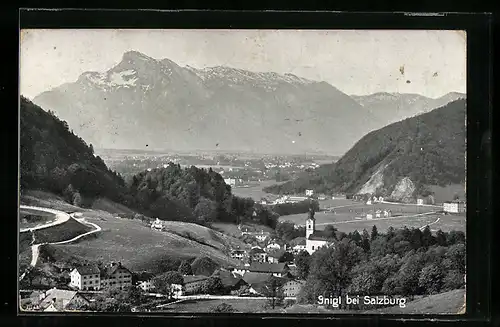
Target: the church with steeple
(315, 239)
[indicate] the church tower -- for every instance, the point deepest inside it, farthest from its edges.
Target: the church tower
(310, 223)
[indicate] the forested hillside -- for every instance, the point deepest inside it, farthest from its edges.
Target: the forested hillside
(429, 149)
(194, 195)
(54, 158)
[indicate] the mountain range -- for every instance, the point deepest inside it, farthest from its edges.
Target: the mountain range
(392, 107)
(402, 160)
(145, 103)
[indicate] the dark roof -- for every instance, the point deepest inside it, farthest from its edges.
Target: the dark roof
(88, 270)
(319, 235)
(298, 241)
(110, 270)
(238, 251)
(276, 253)
(252, 278)
(228, 279)
(257, 250)
(58, 297)
(267, 267)
(193, 278)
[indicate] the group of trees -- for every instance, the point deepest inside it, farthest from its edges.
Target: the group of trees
(403, 262)
(434, 142)
(284, 209)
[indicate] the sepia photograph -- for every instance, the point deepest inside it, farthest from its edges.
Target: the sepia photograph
(242, 171)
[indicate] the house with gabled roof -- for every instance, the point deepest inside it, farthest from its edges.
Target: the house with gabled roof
(115, 275)
(86, 277)
(62, 300)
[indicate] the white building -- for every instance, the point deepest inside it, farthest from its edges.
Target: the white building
(454, 207)
(157, 225)
(369, 216)
(369, 202)
(315, 239)
(378, 213)
(420, 201)
(230, 181)
(86, 278)
(146, 285)
(387, 213)
(273, 246)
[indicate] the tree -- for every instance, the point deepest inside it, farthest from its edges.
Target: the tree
(163, 283)
(286, 257)
(455, 258)
(185, 268)
(205, 210)
(431, 279)
(330, 231)
(441, 238)
(77, 199)
(302, 261)
(427, 238)
(213, 285)
(365, 241)
(374, 233)
(453, 280)
(222, 308)
(274, 292)
(285, 231)
(204, 266)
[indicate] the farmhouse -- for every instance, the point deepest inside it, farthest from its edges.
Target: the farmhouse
(314, 239)
(273, 257)
(146, 285)
(369, 215)
(378, 213)
(387, 213)
(292, 287)
(86, 278)
(157, 225)
(229, 281)
(193, 283)
(230, 181)
(273, 246)
(274, 269)
(238, 254)
(115, 275)
(454, 207)
(90, 277)
(258, 254)
(61, 300)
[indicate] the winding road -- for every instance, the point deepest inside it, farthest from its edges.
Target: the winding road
(61, 217)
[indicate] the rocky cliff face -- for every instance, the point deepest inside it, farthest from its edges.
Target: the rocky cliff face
(403, 191)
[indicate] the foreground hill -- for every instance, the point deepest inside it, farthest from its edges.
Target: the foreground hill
(451, 302)
(392, 107)
(140, 248)
(400, 160)
(144, 102)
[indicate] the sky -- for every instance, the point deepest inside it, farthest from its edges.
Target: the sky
(431, 63)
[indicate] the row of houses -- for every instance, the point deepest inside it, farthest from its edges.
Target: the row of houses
(254, 276)
(378, 214)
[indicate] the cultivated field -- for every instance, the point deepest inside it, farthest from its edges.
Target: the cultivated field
(255, 191)
(345, 216)
(136, 245)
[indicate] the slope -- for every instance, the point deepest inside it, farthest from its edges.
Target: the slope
(55, 159)
(428, 149)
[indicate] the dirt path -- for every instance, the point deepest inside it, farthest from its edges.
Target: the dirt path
(35, 248)
(61, 217)
(423, 227)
